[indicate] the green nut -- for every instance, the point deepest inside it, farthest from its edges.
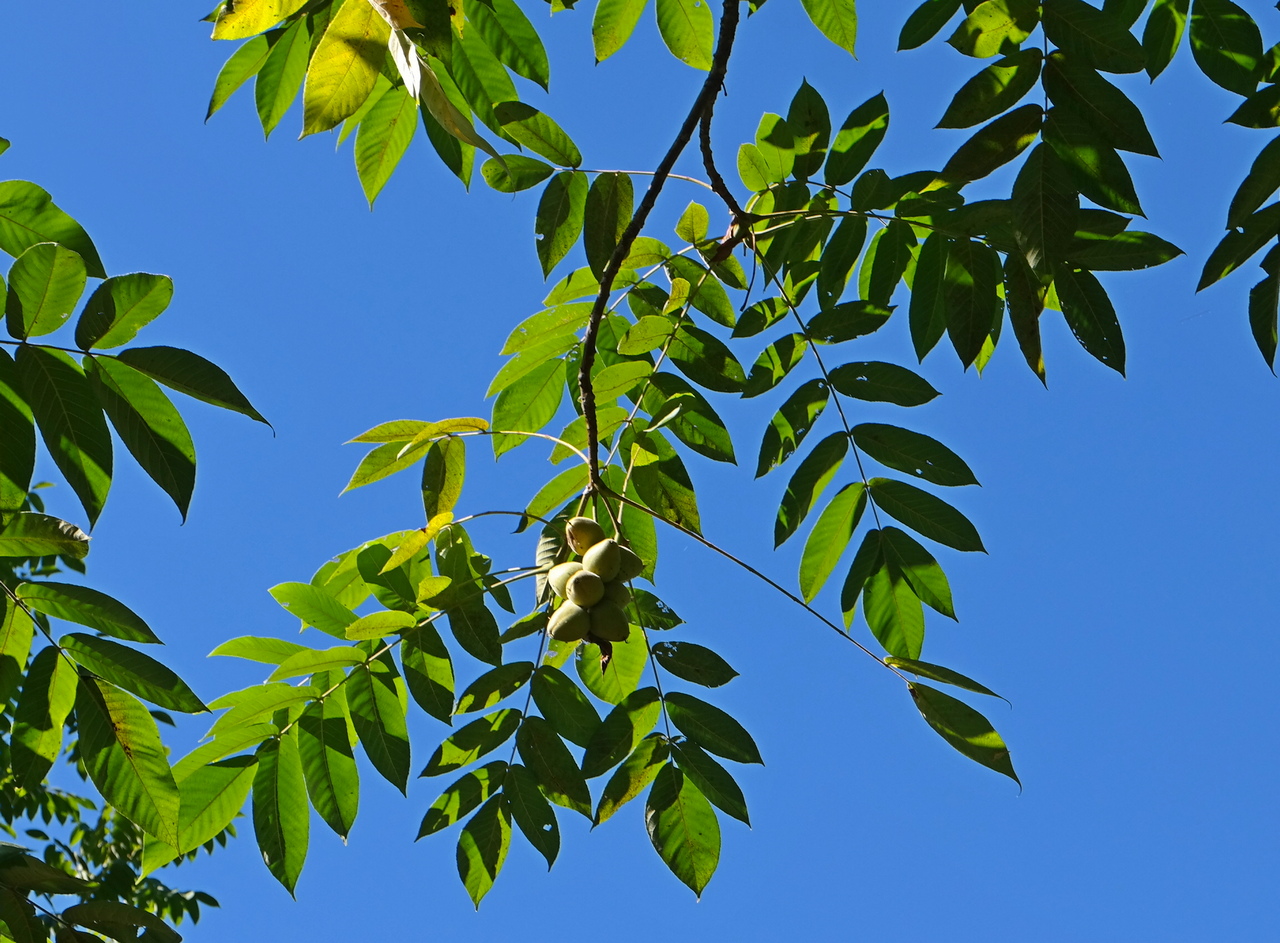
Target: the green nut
(609, 622)
(617, 593)
(583, 533)
(603, 559)
(569, 623)
(584, 589)
(629, 564)
(559, 575)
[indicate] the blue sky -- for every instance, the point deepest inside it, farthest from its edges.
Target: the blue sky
(1126, 608)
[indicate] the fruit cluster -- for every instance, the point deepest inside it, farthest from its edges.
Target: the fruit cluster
(594, 589)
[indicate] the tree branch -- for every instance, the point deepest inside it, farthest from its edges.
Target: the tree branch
(706, 98)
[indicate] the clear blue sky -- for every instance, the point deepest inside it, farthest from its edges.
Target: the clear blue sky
(1127, 608)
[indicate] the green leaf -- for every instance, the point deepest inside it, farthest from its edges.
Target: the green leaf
(257, 704)
(619, 379)
(443, 473)
(120, 921)
(893, 611)
(688, 30)
(696, 424)
(560, 321)
(16, 632)
(377, 700)
(149, 425)
(462, 796)
(48, 694)
(560, 216)
(123, 755)
(694, 663)
(211, 798)
(344, 67)
(830, 537)
(621, 731)
(1163, 34)
(973, 307)
(133, 671)
(519, 173)
(1025, 295)
(928, 296)
(39, 535)
(1226, 44)
(1096, 169)
(1264, 305)
(705, 291)
(281, 73)
(1097, 37)
(808, 482)
(938, 673)
(528, 404)
(308, 661)
(328, 763)
(384, 135)
(713, 780)
(1260, 110)
(476, 630)
(711, 728)
(551, 763)
(120, 307)
(705, 360)
(640, 768)
(610, 203)
(847, 321)
(925, 22)
(1078, 88)
(683, 828)
(513, 39)
(1258, 185)
(70, 421)
(857, 139)
(17, 439)
(493, 686)
(559, 490)
(281, 815)
(926, 514)
(810, 124)
(1237, 247)
(538, 132)
(314, 607)
(774, 363)
(191, 374)
(1091, 317)
(1123, 252)
(28, 216)
(662, 481)
(838, 21)
(482, 848)
(913, 453)
(243, 65)
(616, 681)
(428, 671)
(532, 813)
(882, 383)
(45, 284)
(226, 743)
(469, 743)
(564, 706)
(993, 146)
(450, 116)
(964, 728)
(791, 424)
(996, 88)
(1045, 209)
(85, 606)
(996, 26)
(612, 25)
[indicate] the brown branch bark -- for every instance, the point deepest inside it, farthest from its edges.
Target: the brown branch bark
(701, 105)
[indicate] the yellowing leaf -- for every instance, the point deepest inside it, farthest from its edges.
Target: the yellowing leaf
(345, 66)
(243, 18)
